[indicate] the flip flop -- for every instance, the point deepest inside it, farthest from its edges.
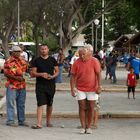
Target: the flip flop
(36, 127)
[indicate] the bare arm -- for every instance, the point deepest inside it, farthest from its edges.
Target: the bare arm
(45, 75)
(99, 82)
(56, 72)
(34, 73)
(73, 84)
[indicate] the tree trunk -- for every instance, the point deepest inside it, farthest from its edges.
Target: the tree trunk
(5, 48)
(35, 34)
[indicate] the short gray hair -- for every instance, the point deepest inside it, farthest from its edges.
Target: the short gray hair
(88, 47)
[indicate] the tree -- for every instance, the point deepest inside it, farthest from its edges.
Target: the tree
(55, 17)
(123, 19)
(120, 20)
(74, 12)
(135, 17)
(8, 10)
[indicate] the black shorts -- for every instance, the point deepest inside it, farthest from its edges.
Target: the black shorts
(45, 94)
(131, 89)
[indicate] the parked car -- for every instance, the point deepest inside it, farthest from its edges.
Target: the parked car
(2, 61)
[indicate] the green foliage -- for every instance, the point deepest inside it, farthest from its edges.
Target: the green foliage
(88, 35)
(52, 44)
(120, 19)
(27, 31)
(123, 19)
(32, 49)
(136, 17)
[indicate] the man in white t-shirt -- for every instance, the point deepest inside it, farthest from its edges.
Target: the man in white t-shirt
(101, 53)
(23, 53)
(74, 58)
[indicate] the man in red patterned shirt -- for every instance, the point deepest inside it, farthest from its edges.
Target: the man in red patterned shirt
(14, 69)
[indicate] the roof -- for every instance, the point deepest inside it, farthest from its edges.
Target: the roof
(23, 43)
(134, 40)
(120, 41)
(78, 43)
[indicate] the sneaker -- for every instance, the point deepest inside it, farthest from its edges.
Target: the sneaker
(82, 131)
(24, 124)
(89, 131)
(12, 124)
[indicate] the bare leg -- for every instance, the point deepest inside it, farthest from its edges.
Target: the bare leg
(90, 113)
(95, 118)
(39, 115)
(82, 112)
(49, 115)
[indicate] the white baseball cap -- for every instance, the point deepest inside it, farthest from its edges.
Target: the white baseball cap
(16, 48)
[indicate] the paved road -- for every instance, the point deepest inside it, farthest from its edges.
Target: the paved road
(111, 103)
(108, 129)
(114, 104)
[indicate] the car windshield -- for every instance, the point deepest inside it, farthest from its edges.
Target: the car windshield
(1, 55)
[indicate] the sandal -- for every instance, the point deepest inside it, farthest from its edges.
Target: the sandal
(36, 127)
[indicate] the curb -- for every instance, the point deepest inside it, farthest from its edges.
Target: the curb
(102, 115)
(106, 89)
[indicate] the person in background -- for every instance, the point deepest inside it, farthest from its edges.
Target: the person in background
(85, 83)
(131, 83)
(68, 59)
(60, 61)
(132, 56)
(74, 58)
(108, 67)
(23, 54)
(97, 56)
(14, 69)
(101, 53)
(70, 55)
(113, 64)
(97, 102)
(45, 69)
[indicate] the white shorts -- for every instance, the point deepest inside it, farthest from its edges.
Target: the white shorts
(81, 95)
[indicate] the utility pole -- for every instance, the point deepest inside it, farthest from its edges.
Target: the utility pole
(92, 33)
(103, 5)
(18, 22)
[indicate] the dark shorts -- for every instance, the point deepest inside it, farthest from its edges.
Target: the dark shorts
(45, 94)
(131, 89)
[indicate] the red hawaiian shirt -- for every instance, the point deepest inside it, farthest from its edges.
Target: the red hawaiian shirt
(16, 67)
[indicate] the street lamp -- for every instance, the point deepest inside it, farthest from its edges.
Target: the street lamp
(18, 21)
(92, 34)
(96, 22)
